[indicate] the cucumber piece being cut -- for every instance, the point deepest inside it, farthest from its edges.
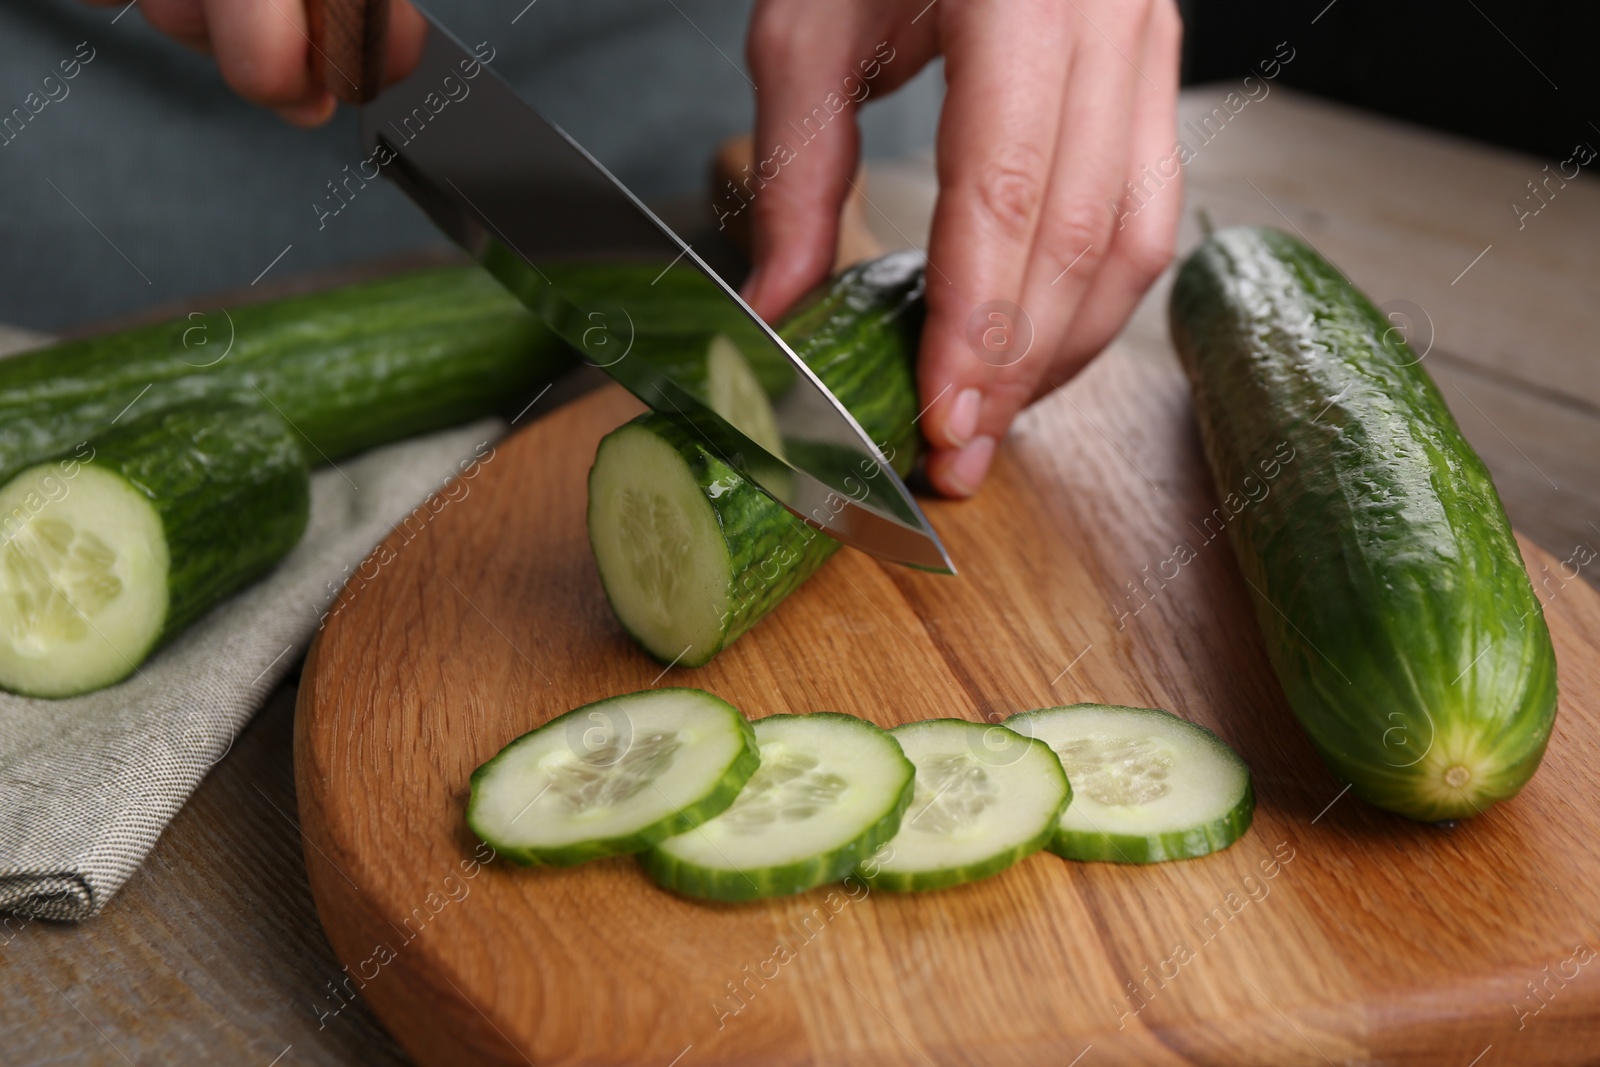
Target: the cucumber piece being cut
(831, 789)
(985, 797)
(114, 548)
(690, 553)
(1147, 786)
(613, 777)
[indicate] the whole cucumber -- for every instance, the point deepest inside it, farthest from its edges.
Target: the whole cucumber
(348, 369)
(1396, 608)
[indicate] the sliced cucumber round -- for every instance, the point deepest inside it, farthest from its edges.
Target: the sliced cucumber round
(985, 797)
(1147, 786)
(613, 777)
(831, 789)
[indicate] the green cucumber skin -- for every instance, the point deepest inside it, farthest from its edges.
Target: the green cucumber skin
(349, 369)
(681, 821)
(859, 334)
(1159, 848)
(232, 488)
(789, 879)
(1397, 611)
(948, 877)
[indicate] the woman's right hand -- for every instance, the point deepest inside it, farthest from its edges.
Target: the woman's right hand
(264, 51)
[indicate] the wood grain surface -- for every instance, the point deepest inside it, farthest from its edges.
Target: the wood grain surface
(1332, 932)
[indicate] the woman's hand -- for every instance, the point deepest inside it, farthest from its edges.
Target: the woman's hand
(264, 52)
(1052, 107)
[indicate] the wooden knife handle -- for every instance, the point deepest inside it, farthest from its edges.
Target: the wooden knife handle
(348, 40)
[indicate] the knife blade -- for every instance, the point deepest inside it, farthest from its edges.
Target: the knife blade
(535, 208)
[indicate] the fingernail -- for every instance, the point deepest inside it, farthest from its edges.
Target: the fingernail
(967, 470)
(963, 420)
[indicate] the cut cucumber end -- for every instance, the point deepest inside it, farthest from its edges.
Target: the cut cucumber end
(736, 394)
(613, 777)
(83, 580)
(831, 789)
(659, 547)
(1147, 785)
(985, 797)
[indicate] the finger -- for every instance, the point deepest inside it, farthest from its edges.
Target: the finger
(263, 50)
(1147, 215)
(182, 20)
(407, 32)
(805, 150)
(1075, 244)
(997, 138)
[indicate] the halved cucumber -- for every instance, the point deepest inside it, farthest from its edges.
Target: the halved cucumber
(1147, 786)
(985, 797)
(831, 789)
(613, 777)
(116, 547)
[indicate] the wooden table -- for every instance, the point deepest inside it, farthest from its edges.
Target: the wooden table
(213, 951)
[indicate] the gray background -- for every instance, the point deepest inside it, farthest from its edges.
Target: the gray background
(178, 188)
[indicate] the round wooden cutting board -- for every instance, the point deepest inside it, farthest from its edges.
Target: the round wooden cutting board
(1331, 933)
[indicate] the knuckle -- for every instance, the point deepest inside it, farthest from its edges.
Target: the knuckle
(1149, 251)
(1010, 189)
(1078, 231)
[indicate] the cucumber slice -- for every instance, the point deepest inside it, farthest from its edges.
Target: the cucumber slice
(114, 548)
(1147, 786)
(831, 789)
(985, 797)
(613, 777)
(735, 393)
(690, 554)
(713, 367)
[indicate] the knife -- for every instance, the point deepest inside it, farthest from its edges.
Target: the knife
(526, 200)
